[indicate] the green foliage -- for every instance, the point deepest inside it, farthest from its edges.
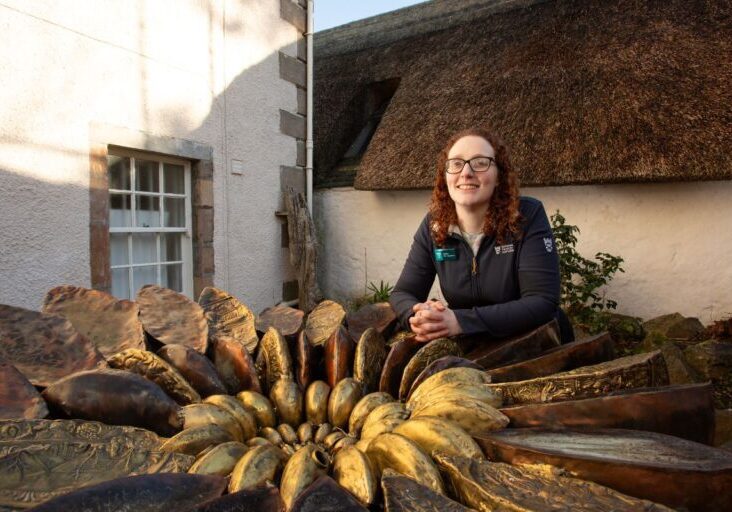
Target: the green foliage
(582, 294)
(380, 293)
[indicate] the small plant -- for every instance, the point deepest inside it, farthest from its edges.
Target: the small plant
(380, 293)
(582, 280)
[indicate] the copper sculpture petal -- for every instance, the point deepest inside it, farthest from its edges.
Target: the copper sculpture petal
(426, 354)
(44, 347)
(15, 434)
(588, 351)
(40, 472)
(288, 321)
(491, 354)
(491, 486)
(638, 371)
(234, 365)
(197, 369)
(277, 357)
(115, 397)
(265, 498)
(111, 324)
(439, 365)
(685, 411)
(397, 359)
(171, 317)
(306, 361)
(143, 493)
(656, 467)
(338, 356)
(380, 316)
(369, 357)
(227, 316)
(156, 369)
(18, 397)
(325, 495)
(402, 494)
(323, 321)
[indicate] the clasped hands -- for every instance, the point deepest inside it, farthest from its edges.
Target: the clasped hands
(432, 320)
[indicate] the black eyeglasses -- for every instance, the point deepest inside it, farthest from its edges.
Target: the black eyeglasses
(477, 164)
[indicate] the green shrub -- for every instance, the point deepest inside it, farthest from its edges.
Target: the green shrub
(583, 280)
(380, 293)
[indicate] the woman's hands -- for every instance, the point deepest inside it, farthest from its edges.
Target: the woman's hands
(432, 320)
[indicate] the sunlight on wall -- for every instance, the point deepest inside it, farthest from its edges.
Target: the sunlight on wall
(156, 66)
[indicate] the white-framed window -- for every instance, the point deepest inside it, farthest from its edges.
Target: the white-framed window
(149, 222)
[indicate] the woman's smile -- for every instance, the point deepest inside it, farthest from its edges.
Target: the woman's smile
(469, 189)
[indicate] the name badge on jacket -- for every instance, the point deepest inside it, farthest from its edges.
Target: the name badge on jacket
(449, 254)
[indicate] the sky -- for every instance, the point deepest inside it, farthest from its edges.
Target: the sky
(331, 13)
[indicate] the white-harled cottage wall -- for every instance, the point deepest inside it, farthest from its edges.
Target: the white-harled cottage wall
(676, 240)
(205, 71)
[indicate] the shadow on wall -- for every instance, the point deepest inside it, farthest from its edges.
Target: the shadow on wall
(44, 241)
(249, 151)
(37, 253)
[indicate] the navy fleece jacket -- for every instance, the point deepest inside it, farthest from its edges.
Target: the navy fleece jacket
(503, 290)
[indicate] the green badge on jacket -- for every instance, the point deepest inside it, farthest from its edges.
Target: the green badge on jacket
(445, 254)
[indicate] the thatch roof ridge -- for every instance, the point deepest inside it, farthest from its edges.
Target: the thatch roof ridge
(583, 92)
(406, 22)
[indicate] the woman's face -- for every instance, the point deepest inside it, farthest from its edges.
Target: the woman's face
(470, 189)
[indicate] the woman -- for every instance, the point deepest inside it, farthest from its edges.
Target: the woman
(492, 250)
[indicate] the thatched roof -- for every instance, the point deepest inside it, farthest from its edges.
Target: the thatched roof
(583, 91)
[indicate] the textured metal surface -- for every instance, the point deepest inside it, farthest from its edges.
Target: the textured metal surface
(196, 439)
(304, 467)
(18, 397)
(288, 321)
(400, 353)
(277, 359)
(288, 401)
(379, 316)
(440, 365)
(15, 434)
(369, 358)
(426, 355)
(227, 316)
(685, 411)
(262, 499)
(112, 325)
(491, 353)
(657, 467)
(39, 472)
(325, 495)
(638, 371)
(157, 370)
(234, 365)
(339, 350)
(306, 360)
(197, 369)
(44, 348)
(402, 494)
(489, 486)
(115, 397)
(144, 493)
(589, 351)
(171, 317)
(343, 398)
(220, 460)
(323, 321)
(353, 471)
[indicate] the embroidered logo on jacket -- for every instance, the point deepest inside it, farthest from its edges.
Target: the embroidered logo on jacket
(548, 244)
(504, 249)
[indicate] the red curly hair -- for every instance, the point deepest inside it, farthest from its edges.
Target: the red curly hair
(502, 217)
